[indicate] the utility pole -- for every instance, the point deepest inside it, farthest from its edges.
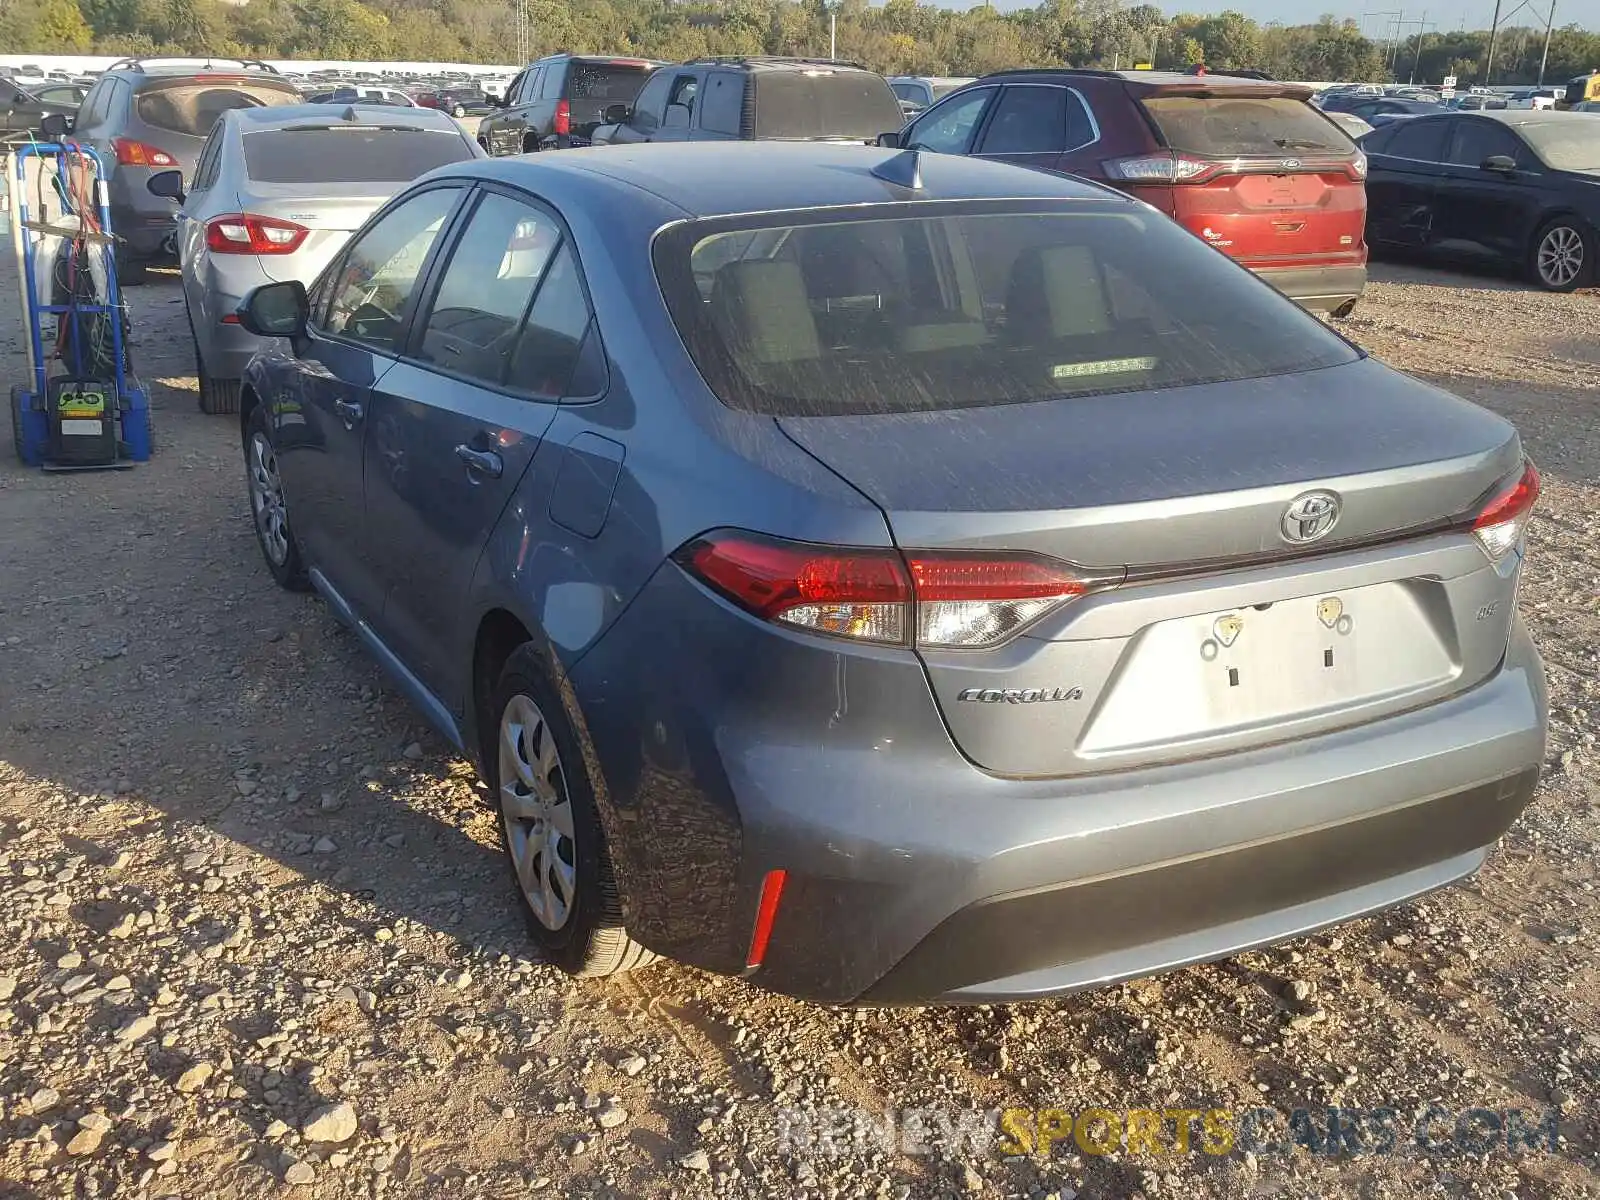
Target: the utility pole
(833, 33)
(1549, 23)
(1494, 30)
(524, 35)
(1422, 26)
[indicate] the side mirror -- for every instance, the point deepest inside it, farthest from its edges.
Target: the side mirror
(890, 140)
(616, 114)
(276, 310)
(1503, 163)
(56, 126)
(166, 183)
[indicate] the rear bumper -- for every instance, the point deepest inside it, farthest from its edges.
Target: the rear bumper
(227, 348)
(1321, 289)
(913, 877)
(144, 221)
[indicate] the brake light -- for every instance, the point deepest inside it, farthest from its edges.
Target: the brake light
(137, 154)
(1162, 168)
(563, 121)
(926, 598)
(1500, 524)
(242, 233)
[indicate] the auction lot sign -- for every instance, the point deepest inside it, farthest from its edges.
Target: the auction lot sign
(1330, 1132)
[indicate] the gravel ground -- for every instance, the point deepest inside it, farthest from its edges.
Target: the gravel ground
(243, 888)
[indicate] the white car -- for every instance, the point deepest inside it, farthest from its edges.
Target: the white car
(276, 192)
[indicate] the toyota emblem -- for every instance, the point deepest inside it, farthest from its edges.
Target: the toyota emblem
(1310, 515)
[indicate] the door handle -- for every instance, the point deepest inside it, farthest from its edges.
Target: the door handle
(348, 413)
(481, 462)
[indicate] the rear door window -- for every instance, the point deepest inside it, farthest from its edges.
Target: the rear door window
(194, 108)
(990, 303)
(1037, 119)
(1422, 141)
(1242, 126)
(349, 154)
(723, 103)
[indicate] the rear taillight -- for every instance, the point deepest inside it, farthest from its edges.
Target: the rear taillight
(137, 154)
(1162, 168)
(1501, 522)
(242, 233)
(563, 121)
(1358, 166)
(925, 598)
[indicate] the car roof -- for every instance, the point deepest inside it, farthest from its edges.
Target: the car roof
(1528, 116)
(292, 116)
(1164, 81)
(759, 62)
(709, 179)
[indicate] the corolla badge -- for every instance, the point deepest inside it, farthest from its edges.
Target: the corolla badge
(1019, 695)
(1310, 515)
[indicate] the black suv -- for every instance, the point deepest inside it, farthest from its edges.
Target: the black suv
(145, 115)
(557, 101)
(22, 113)
(787, 99)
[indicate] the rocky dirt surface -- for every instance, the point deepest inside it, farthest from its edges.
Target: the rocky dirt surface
(256, 938)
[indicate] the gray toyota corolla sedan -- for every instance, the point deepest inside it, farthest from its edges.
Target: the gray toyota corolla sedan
(895, 579)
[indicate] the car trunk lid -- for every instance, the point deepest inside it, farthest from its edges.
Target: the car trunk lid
(331, 217)
(1221, 634)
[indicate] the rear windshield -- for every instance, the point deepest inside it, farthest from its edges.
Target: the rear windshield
(825, 104)
(195, 107)
(349, 154)
(1231, 126)
(987, 304)
(612, 83)
(1566, 145)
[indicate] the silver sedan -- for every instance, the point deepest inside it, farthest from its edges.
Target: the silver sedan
(275, 193)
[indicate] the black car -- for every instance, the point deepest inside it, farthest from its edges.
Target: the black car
(557, 102)
(766, 99)
(1512, 188)
(22, 113)
(148, 115)
(1380, 110)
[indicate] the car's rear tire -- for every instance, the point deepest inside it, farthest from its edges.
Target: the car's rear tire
(269, 507)
(1562, 256)
(217, 396)
(130, 271)
(551, 828)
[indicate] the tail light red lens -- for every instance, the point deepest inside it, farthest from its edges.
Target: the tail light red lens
(563, 121)
(138, 154)
(926, 598)
(1501, 523)
(1162, 168)
(242, 233)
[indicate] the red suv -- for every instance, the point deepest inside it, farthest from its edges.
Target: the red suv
(1248, 165)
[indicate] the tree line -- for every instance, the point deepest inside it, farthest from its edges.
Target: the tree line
(897, 37)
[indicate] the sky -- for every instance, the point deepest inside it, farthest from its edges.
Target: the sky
(1375, 16)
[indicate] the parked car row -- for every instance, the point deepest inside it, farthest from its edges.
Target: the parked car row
(624, 460)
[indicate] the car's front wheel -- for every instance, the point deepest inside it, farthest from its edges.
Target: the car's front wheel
(551, 828)
(269, 509)
(1562, 256)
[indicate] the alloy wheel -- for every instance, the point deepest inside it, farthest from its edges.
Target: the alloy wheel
(537, 813)
(1560, 256)
(266, 499)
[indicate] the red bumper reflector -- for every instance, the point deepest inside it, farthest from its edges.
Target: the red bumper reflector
(766, 913)
(230, 318)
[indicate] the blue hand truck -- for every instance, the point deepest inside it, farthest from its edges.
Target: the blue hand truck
(81, 409)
